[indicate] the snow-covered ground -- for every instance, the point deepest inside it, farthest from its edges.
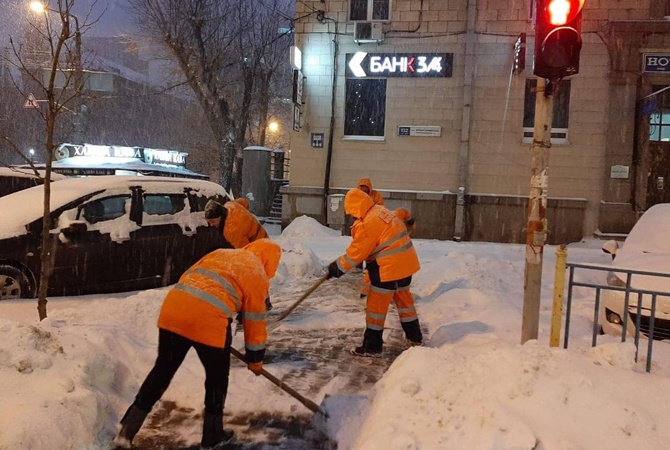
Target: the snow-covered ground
(65, 382)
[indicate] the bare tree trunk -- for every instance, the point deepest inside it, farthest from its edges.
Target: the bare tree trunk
(264, 94)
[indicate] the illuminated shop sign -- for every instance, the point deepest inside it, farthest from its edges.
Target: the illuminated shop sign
(147, 155)
(389, 65)
(103, 151)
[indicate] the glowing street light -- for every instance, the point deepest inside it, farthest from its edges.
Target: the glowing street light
(37, 7)
(31, 152)
(273, 126)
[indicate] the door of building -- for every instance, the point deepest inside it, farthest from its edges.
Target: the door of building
(658, 181)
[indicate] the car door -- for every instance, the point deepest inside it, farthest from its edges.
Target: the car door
(94, 256)
(162, 242)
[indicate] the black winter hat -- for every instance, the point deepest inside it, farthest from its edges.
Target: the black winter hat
(214, 210)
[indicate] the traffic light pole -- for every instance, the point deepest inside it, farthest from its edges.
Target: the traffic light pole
(537, 203)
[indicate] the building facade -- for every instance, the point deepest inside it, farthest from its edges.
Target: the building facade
(430, 99)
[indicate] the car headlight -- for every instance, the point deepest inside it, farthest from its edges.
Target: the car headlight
(613, 317)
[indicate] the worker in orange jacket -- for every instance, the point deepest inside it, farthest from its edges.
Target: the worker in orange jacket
(410, 223)
(381, 240)
(197, 312)
(365, 185)
(237, 225)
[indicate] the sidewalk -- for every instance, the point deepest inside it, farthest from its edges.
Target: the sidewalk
(314, 358)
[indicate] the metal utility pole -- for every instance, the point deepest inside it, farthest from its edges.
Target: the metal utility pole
(536, 232)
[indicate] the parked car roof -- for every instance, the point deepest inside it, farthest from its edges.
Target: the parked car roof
(23, 207)
(15, 179)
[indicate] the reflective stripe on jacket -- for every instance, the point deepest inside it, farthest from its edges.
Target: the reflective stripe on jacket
(378, 235)
(241, 227)
(209, 294)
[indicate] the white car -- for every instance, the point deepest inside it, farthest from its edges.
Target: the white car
(646, 249)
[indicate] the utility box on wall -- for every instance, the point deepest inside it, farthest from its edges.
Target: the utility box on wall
(256, 179)
(335, 211)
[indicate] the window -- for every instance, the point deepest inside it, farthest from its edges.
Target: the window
(105, 209)
(369, 9)
(365, 107)
(659, 126)
(160, 204)
(561, 115)
(659, 119)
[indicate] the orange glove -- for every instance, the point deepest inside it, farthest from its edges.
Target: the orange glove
(255, 367)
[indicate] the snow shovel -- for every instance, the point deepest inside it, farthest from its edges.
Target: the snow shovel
(277, 382)
(275, 323)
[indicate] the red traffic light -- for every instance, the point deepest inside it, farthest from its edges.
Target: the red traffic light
(560, 12)
(558, 38)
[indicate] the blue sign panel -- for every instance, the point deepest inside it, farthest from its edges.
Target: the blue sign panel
(656, 62)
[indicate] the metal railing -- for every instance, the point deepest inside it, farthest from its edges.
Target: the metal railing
(647, 328)
(279, 165)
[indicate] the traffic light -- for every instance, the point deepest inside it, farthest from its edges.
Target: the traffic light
(558, 38)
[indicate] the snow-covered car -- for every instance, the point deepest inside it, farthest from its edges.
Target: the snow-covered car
(107, 234)
(14, 179)
(646, 249)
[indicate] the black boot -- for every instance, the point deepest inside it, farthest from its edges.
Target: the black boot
(130, 424)
(372, 344)
(213, 435)
(413, 332)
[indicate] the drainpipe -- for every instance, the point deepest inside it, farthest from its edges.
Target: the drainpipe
(331, 130)
(464, 155)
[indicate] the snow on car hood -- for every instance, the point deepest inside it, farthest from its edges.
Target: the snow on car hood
(23, 207)
(634, 259)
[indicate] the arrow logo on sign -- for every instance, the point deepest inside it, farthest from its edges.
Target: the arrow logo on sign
(355, 64)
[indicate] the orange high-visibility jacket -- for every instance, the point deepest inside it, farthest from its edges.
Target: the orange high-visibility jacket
(210, 293)
(376, 197)
(241, 227)
(243, 201)
(378, 235)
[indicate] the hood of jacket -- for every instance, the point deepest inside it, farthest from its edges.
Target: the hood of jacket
(243, 201)
(365, 181)
(357, 203)
(268, 252)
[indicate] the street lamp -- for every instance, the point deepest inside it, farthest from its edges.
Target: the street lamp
(40, 8)
(273, 127)
(31, 152)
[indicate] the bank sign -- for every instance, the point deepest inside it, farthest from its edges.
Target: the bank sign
(656, 62)
(389, 65)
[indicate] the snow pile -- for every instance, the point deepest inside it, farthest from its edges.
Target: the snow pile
(307, 227)
(485, 394)
(297, 261)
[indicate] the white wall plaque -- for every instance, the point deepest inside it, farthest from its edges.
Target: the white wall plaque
(420, 130)
(619, 171)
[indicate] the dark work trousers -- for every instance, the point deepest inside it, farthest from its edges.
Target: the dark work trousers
(172, 349)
